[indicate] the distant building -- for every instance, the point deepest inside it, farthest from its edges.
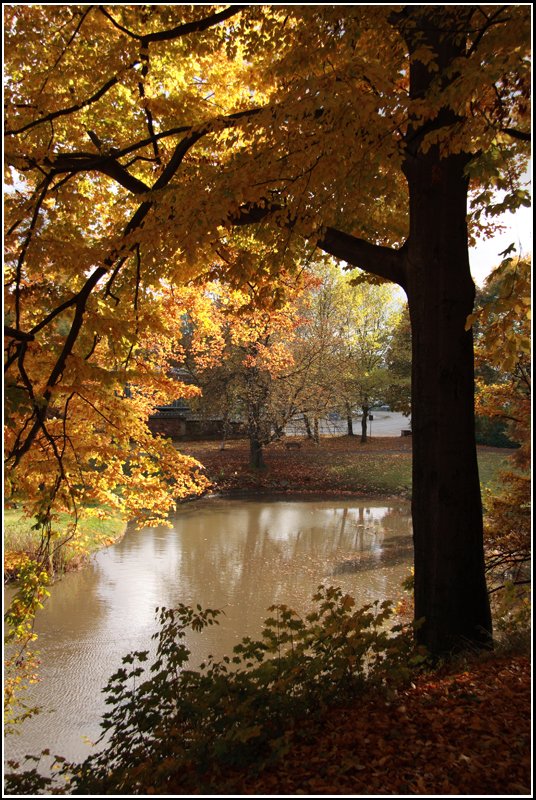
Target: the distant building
(178, 421)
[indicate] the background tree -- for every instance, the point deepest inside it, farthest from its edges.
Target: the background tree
(239, 354)
(368, 315)
(398, 359)
(318, 347)
(344, 341)
(134, 134)
(504, 393)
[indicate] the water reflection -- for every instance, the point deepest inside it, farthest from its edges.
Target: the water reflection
(237, 555)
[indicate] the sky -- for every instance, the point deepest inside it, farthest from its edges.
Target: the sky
(486, 254)
(517, 231)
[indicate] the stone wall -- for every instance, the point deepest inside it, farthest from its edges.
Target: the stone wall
(174, 427)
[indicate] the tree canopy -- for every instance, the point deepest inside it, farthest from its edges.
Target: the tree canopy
(139, 137)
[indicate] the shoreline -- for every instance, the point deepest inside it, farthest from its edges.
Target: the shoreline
(13, 558)
(338, 467)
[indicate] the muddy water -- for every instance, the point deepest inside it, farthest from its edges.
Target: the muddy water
(237, 555)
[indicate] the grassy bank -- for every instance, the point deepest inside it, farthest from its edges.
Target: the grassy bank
(92, 534)
(390, 472)
(338, 464)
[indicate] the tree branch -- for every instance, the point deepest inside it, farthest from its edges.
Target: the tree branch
(41, 408)
(26, 244)
(179, 30)
(385, 262)
(144, 59)
(13, 333)
(108, 165)
(490, 21)
(62, 112)
(83, 16)
(523, 136)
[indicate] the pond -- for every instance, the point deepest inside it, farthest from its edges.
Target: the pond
(238, 555)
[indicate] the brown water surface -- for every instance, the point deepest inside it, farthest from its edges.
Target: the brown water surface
(238, 555)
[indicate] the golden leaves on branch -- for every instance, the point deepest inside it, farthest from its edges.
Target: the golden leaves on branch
(304, 110)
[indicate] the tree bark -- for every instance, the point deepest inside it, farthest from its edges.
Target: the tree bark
(349, 420)
(256, 455)
(364, 422)
(450, 588)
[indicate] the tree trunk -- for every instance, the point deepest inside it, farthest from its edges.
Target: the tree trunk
(308, 429)
(316, 430)
(364, 423)
(349, 420)
(256, 455)
(224, 430)
(257, 393)
(450, 588)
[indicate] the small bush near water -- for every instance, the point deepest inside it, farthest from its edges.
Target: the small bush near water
(174, 728)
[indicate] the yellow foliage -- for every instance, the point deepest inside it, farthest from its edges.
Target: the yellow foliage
(135, 135)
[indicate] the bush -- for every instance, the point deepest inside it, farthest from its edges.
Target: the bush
(21, 661)
(169, 724)
(492, 432)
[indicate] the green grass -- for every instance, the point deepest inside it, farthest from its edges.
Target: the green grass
(490, 463)
(390, 473)
(376, 473)
(92, 534)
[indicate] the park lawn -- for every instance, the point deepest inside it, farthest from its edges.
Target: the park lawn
(92, 534)
(374, 472)
(390, 472)
(338, 464)
(491, 461)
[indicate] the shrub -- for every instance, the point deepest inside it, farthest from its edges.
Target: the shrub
(21, 661)
(167, 722)
(492, 432)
